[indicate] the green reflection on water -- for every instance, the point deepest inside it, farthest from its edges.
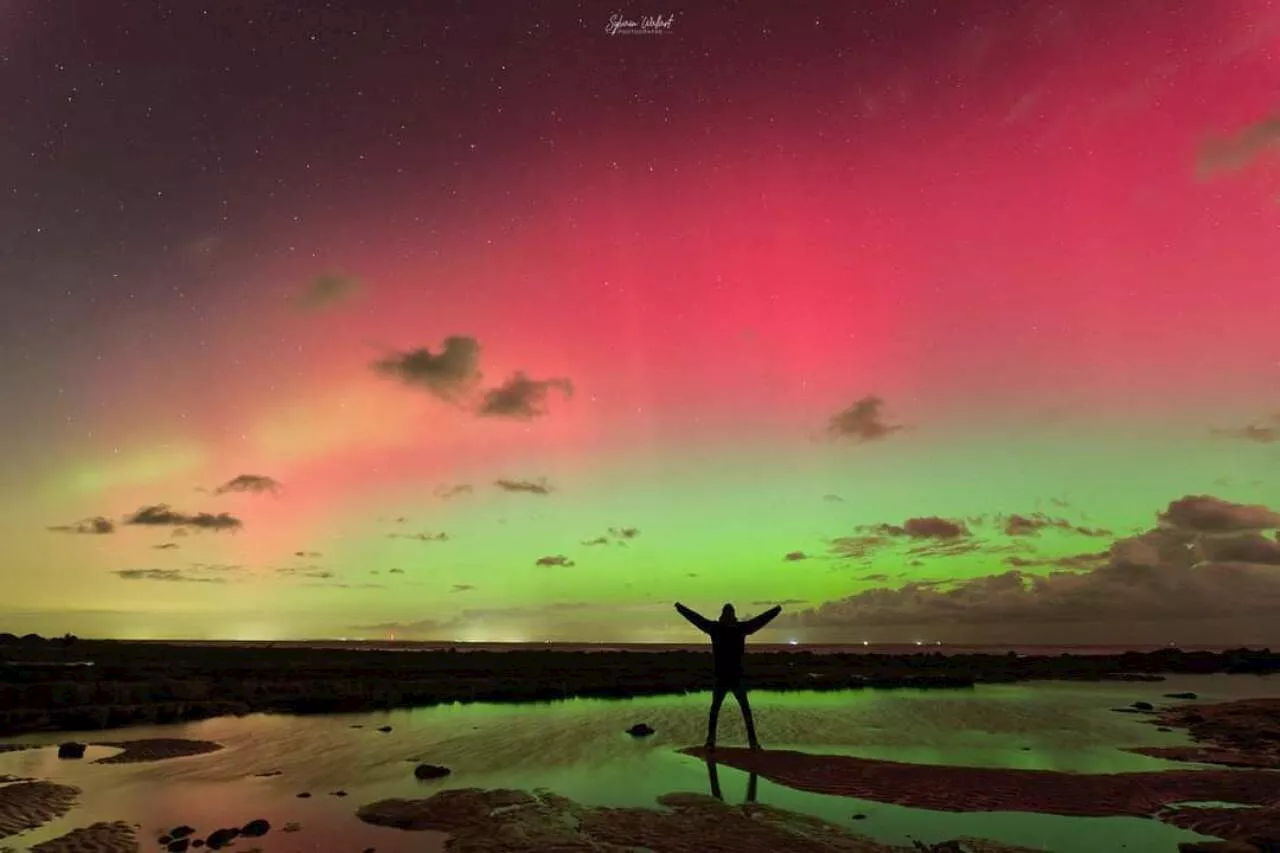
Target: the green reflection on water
(578, 748)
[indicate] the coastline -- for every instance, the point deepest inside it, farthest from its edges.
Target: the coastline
(83, 685)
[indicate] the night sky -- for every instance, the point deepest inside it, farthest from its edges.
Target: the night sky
(942, 321)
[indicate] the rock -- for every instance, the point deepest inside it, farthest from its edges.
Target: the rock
(198, 843)
(182, 831)
(179, 846)
(71, 749)
(640, 730)
(266, 773)
(291, 826)
(1125, 710)
(163, 840)
(430, 771)
(1163, 729)
(338, 793)
(859, 816)
(1187, 695)
(304, 795)
(220, 838)
(255, 828)
(384, 729)
(1143, 706)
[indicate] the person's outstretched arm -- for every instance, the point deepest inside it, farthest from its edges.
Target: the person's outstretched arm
(755, 623)
(698, 619)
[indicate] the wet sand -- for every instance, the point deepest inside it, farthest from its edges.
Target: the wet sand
(154, 749)
(509, 821)
(1242, 734)
(28, 805)
(1245, 733)
(115, 837)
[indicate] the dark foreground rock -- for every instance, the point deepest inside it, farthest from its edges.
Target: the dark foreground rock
(509, 821)
(135, 683)
(71, 750)
(431, 771)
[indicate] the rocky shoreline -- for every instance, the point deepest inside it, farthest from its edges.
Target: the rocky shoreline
(74, 685)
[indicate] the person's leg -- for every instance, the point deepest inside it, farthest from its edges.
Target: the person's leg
(740, 693)
(717, 699)
(714, 777)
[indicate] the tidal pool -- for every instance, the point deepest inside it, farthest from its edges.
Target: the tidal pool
(579, 748)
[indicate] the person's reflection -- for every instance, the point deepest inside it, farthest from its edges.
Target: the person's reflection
(714, 776)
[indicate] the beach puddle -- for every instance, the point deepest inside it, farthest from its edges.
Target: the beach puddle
(578, 749)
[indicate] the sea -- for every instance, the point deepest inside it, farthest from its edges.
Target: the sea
(579, 748)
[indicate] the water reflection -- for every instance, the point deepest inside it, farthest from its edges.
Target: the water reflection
(580, 749)
(713, 776)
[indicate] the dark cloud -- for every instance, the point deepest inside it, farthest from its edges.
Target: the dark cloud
(162, 515)
(1260, 433)
(1029, 525)
(395, 571)
(96, 526)
(792, 556)
(835, 499)
(557, 560)
(1072, 562)
(878, 577)
(1207, 514)
(1235, 152)
(165, 546)
(619, 535)
(216, 567)
(420, 537)
(1206, 560)
(307, 555)
(462, 587)
(451, 375)
(863, 421)
(450, 492)
(252, 483)
(928, 527)
(314, 572)
(326, 291)
(1241, 548)
(538, 487)
(521, 398)
(167, 575)
(933, 536)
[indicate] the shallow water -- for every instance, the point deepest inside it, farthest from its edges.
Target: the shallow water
(579, 748)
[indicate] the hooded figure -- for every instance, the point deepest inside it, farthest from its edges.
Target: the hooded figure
(728, 645)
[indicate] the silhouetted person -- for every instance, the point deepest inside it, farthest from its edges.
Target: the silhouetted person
(728, 645)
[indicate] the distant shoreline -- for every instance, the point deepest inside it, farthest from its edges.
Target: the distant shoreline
(48, 685)
(758, 647)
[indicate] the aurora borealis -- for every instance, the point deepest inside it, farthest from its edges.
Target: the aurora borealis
(951, 321)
